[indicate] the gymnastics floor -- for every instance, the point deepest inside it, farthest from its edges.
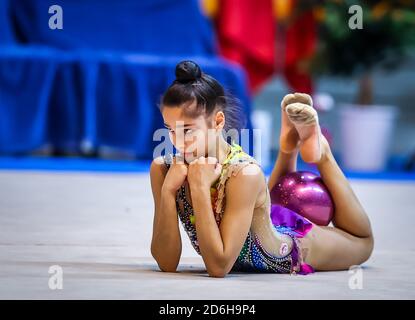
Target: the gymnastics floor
(97, 227)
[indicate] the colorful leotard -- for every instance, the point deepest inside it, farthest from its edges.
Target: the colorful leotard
(255, 255)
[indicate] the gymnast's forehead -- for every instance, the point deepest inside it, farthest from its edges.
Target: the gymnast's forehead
(176, 117)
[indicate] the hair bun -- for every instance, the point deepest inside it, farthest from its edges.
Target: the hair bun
(187, 71)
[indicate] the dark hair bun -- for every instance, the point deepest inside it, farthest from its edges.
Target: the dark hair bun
(187, 71)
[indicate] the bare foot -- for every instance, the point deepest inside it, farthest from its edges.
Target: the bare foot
(289, 138)
(305, 120)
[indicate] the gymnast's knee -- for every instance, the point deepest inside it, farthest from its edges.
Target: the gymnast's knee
(368, 244)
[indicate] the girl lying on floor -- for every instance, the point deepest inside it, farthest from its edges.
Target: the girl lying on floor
(221, 196)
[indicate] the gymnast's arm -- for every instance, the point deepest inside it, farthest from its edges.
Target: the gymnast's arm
(166, 243)
(221, 246)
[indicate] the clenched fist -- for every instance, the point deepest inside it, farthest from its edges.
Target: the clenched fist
(176, 175)
(203, 172)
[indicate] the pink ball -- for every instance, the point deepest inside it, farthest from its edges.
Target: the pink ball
(304, 193)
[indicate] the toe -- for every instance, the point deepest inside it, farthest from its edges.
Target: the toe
(288, 99)
(295, 108)
(304, 98)
(301, 113)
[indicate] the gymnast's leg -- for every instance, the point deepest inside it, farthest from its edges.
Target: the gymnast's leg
(350, 242)
(289, 142)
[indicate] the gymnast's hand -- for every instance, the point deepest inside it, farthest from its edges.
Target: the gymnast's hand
(176, 175)
(203, 172)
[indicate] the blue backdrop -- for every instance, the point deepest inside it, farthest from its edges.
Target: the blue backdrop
(97, 81)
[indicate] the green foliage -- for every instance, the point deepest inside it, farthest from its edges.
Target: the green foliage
(387, 36)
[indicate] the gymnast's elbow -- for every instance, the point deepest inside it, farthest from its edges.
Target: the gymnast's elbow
(168, 268)
(217, 273)
(165, 265)
(218, 270)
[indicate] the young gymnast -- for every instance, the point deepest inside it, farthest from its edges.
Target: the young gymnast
(222, 198)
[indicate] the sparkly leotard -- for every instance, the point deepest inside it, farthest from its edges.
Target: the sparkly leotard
(268, 247)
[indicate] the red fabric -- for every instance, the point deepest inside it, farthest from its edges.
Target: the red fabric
(246, 34)
(300, 45)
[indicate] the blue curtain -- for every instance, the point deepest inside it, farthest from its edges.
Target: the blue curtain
(97, 82)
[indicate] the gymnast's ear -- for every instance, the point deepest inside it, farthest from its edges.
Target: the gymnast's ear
(219, 120)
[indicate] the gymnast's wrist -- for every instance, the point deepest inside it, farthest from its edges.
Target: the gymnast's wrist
(199, 188)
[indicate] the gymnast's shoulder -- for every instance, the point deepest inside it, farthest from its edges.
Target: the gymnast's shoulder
(248, 175)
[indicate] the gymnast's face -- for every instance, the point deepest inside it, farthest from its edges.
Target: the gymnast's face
(193, 137)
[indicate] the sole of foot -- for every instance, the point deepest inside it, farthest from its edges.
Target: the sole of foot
(305, 120)
(289, 137)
